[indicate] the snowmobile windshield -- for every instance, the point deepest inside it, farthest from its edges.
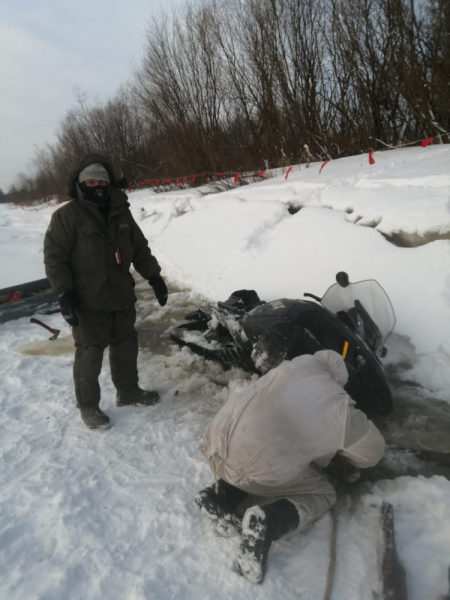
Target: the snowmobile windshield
(372, 303)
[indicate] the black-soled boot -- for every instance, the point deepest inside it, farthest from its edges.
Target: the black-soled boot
(260, 527)
(221, 506)
(94, 418)
(136, 397)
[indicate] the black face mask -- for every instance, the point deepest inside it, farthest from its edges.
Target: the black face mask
(97, 194)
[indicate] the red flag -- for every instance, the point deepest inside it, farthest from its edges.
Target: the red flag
(193, 178)
(142, 182)
(425, 143)
(287, 172)
(133, 185)
(163, 181)
(220, 174)
(157, 181)
(184, 179)
(204, 174)
(371, 159)
(261, 173)
(236, 177)
(178, 181)
(322, 166)
(169, 180)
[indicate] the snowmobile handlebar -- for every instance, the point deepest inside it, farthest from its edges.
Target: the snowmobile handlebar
(308, 295)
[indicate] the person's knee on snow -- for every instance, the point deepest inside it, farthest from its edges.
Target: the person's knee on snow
(312, 507)
(219, 503)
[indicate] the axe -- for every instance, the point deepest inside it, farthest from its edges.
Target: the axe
(55, 332)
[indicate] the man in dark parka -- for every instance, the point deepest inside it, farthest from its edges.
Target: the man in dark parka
(88, 249)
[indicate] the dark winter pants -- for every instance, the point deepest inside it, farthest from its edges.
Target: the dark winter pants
(94, 333)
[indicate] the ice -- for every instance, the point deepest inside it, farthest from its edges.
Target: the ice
(58, 347)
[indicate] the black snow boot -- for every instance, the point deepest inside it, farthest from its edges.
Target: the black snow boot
(94, 418)
(221, 506)
(136, 397)
(260, 527)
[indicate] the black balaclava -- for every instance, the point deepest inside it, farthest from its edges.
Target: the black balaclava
(97, 194)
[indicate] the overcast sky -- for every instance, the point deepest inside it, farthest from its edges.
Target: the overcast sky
(50, 47)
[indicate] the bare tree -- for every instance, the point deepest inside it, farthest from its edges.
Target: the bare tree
(250, 84)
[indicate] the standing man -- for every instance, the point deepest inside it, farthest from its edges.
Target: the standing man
(272, 440)
(88, 249)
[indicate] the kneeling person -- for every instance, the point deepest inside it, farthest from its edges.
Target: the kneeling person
(271, 440)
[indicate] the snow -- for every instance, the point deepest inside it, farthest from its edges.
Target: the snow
(111, 515)
(427, 567)
(21, 237)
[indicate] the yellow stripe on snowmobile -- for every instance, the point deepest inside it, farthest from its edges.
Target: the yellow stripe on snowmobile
(344, 351)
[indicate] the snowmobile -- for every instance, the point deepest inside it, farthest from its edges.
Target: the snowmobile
(354, 319)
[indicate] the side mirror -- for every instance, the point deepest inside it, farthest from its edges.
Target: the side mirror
(342, 279)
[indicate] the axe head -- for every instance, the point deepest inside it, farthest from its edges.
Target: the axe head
(55, 335)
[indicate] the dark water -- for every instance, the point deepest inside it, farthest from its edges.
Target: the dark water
(154, 323)
(419, 421)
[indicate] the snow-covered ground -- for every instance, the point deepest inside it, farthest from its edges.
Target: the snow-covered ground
(111, 515)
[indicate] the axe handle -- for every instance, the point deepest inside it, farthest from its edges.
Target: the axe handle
(54, 331)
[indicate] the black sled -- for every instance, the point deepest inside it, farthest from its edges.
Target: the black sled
(354, 319)
(27, 299)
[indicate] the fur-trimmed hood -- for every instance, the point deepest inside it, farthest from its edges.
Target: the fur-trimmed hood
(88, 159)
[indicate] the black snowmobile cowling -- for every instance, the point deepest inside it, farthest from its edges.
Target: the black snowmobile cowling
(257, 336)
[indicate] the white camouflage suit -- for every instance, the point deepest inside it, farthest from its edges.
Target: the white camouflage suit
(272, 438)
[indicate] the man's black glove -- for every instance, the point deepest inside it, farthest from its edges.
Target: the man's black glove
(160, 289)
(340, 470)
(67, 304)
